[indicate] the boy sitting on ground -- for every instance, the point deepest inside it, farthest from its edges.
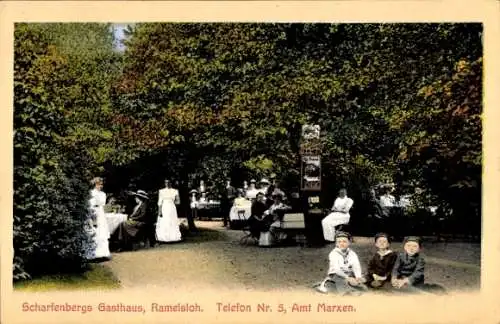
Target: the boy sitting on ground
(408, 271)
(345, 269)
(381, 265)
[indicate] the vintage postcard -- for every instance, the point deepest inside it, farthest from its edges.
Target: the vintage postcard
(250, 162)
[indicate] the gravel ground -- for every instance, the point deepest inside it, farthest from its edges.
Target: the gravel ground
(215, 259)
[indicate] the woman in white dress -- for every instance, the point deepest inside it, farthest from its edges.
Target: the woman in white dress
(340, 215)
(101, 238)
(167, 225)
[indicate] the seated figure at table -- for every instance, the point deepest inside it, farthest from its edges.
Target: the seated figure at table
(240, 205)
(264, 186)
(240, 201)
(387, 200)
(128, 231)
(276, 212)
(339, 215)
(275, 190)
(257, 222)
(203, 199)
(167, 225)
(100, 230)
(252, 191)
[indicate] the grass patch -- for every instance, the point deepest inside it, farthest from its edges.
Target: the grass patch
(98, 276)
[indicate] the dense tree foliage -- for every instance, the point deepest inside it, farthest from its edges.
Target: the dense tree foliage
(238, 93)
(395, 102)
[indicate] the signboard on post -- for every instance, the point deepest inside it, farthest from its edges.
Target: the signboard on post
(311, 172)
(310, 152)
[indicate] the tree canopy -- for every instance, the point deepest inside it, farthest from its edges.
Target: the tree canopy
(395, 102)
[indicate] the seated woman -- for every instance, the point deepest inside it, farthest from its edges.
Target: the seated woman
(127, 232)
(240, 201)
(340, 215)
(276, 213)
(203, 199)
(251, 192)
(257, 222)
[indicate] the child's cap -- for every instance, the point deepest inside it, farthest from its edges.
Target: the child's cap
(343, 234)
(382, 235)
(412, 239)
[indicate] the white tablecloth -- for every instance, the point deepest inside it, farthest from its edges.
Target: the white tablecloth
(233, 214)
(114, 220)
(207, 204)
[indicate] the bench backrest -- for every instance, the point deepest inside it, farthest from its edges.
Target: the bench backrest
(293, 220)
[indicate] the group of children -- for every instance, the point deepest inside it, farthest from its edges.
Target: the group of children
(387, 270)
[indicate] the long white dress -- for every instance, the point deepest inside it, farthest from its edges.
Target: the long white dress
(336, 218)
(101, 237)
(167, 226)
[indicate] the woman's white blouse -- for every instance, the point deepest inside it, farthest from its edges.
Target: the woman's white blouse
(167, 194)
(97, 198)
(343, 204)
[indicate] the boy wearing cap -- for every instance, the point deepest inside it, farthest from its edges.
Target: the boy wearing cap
(345, 269)
(382, 263)
(408, 272)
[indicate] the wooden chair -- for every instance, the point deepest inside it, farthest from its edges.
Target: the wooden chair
(247, 237)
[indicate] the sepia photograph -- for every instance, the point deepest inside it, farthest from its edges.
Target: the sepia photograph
(331, 160)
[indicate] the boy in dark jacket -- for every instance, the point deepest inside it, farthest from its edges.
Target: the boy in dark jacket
(381, 265)
(408, 272)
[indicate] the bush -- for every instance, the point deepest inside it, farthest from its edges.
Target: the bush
(49, 214)
(50, 190)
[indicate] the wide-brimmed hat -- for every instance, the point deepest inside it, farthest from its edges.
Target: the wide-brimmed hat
(193, 191)
(253, 181)
(264, 180)
(141, 194)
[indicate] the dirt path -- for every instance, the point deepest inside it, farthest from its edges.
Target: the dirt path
(215, 259)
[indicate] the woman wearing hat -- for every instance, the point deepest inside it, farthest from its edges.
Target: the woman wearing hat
(193, 198)
(167, 226)
(264, 186)
(100, 229)
(129, 230)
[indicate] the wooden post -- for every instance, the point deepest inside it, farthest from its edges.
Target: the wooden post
(310, 183)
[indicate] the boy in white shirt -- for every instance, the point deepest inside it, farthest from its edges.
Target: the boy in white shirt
(345, 269)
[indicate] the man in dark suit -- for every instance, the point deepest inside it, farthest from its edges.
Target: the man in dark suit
(129, 231)
(227, 201)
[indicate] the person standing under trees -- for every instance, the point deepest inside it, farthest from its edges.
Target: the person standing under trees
(167, 225)
(101, 231)
(227, 201)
